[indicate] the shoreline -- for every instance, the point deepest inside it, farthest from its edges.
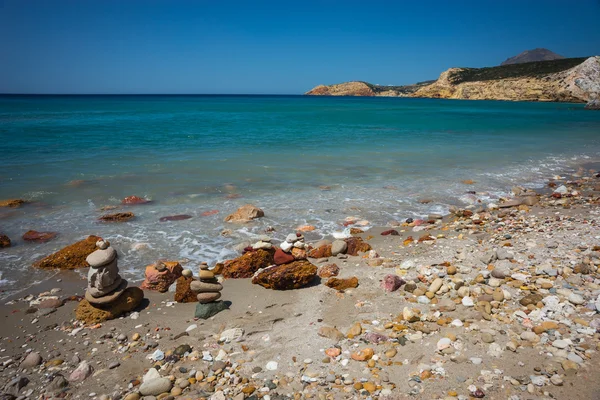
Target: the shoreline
(283, 326)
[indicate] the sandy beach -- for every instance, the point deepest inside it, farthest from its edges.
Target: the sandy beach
(494, 302)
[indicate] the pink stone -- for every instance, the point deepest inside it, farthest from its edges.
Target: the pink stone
(392, 283)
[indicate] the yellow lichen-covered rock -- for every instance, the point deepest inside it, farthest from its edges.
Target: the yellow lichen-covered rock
(70, 257)
(127, 302)
(293, 275)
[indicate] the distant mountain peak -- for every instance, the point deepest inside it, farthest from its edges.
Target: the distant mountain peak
(538, 54)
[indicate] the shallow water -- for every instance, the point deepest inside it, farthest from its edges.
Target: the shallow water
(71, 155)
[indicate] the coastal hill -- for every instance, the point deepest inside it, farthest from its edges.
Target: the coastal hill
(567, 79)
(533, 55)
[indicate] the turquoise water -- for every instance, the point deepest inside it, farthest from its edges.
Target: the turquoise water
(191, 154)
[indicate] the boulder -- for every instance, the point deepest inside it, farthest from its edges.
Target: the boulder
(127, 302)
(183, 292)
(281, 257)
(338, 247)
(179, 217)
(593, 104)
(207, 310)
(392, 283)
(161, 280)
(245, 213)
(133, 200)
(12, 203)
(288, 276)
(323, 251)
(70, 257)
(328, 270)
(342, 284)
(356, 245)
(35, 236)
(117, 217)
(4, 241)
(247, 264)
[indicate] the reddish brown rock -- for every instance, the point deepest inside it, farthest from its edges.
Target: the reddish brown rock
(356, 231)
(294, 275)
(329, 270)
(179, 217)
(342, 284)
(117, 217)
(132, 200)
(245, 213)
(35, 236)
(127, 302)
(183, 293)
(356, 245)
(320, 252)
(392, 232)
(392, 283)
(281, 257)
(247, 264)
(161, 280)
(70, 257)
(299, 254)
(218, 269)
(12, 203)
(4, 241)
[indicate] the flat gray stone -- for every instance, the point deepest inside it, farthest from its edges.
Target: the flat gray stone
(155, 387)
(101, 257)
(108, 298)
(205, 287)
(338, 247)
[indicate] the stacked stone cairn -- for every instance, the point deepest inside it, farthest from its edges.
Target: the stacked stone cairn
(293, 240)
(105, 285)
(264, 242)
(291, 249)
(208, 292)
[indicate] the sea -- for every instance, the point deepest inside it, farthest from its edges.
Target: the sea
(319, 161)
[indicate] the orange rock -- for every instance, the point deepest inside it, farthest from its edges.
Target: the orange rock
(247, 264)
(183, 293)
(132, 200)
(426, 375)
(408, 240)
(70, 257)
(356, 231)
(342, 284)
(363, 355)
(245, 213)
(294, 275)
(306, 228)
(333, 352)
(161, 280)
(328, 270)
(320, 252)
(12, 203)
(356, 245)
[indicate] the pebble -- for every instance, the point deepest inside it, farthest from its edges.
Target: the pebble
(467, 301)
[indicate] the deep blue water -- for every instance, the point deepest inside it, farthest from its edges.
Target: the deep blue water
(378, 156)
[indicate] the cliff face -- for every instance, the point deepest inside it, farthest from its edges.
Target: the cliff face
(525, 82)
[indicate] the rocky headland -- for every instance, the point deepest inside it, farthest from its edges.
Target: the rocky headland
(500, 299)
(560, 80)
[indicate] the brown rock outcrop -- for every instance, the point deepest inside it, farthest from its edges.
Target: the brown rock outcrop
(12, 203)
(161, 280)
(35, 236)
(117, 217)
(183, 292)
(320, 252)
(245, 213)
(247, 264)
(294, 275)
(356, 245)
(128, 301)
(70, 257)
(342, 284)
(4, 241)
(343, 89)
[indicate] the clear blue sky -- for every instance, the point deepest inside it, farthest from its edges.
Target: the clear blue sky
(279, 47)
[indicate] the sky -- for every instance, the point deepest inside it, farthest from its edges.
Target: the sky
(271, 47)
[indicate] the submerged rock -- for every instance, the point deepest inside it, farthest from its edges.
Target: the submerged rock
(179, 217)
(133, 200)
(70, 257)
(294, 275)
(245, 213)
(12, 203)
(247, 264)
(117, 217)
(127, 302)
(35, 236)
(4, 241)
